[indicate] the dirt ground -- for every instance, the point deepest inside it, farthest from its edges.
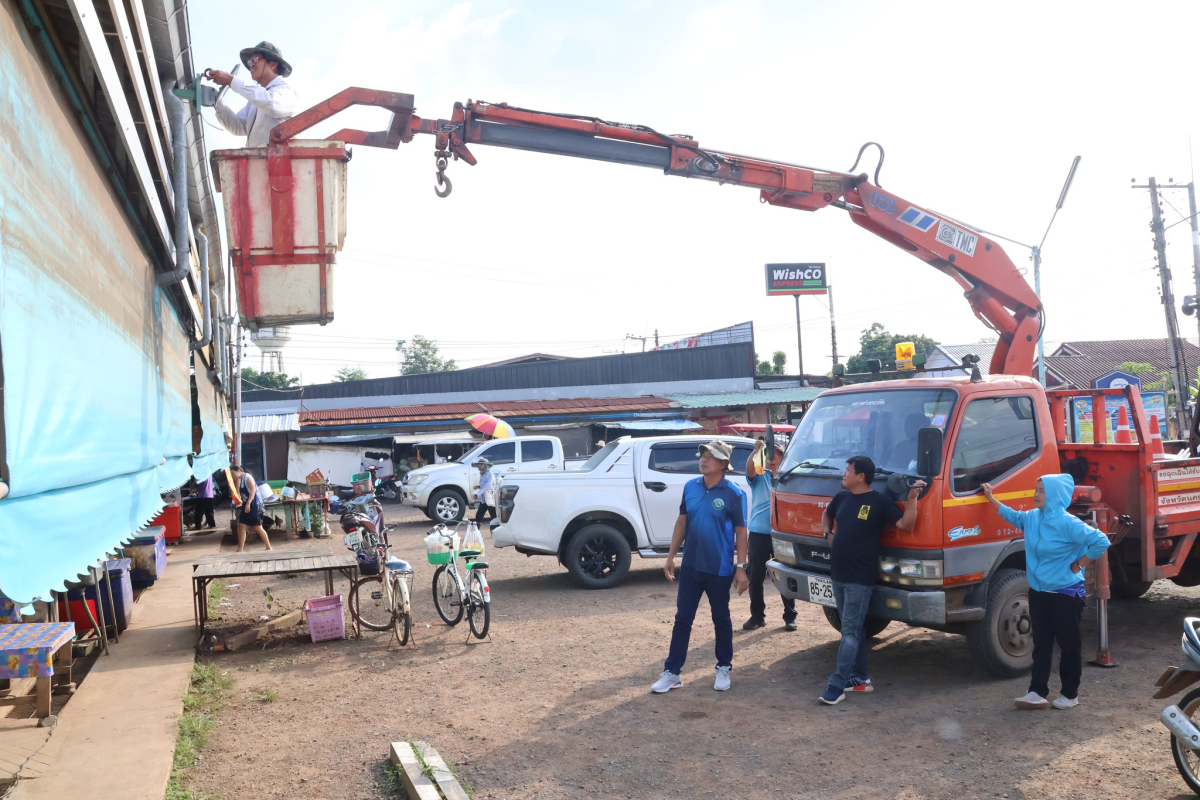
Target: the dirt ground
(557, 704)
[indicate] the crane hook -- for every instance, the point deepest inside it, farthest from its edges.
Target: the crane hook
(444, 186)
(878, 166)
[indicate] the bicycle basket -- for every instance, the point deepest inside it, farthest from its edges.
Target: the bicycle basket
(368, 562)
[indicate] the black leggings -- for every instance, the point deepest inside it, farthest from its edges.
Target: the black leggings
(482, 510)
(1055, 617)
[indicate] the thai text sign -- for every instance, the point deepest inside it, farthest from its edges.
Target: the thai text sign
(785, 279)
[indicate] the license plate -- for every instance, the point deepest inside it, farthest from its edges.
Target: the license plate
(354, 540)
(820, 590)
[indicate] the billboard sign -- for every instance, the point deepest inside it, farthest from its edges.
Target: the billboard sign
(1154, 403)
(785, 279)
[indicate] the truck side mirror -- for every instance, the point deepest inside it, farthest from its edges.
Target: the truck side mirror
(929, 452)
(770, 437)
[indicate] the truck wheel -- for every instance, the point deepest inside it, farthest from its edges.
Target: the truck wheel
(1132, 590)
(1002, 642)
(1190, 574)
(872, 626)
(598, 556)
(447, 505)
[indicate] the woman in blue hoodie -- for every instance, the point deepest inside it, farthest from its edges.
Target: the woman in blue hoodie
(1058, 545)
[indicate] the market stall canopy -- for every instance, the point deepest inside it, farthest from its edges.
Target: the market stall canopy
(439, 436)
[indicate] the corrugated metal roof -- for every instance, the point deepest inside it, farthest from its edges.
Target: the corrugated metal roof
(270, 423)
(1080, 363)
(699, 363)
(755, 398)
(510, 408)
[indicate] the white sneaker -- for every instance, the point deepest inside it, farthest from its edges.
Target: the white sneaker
(722, 682)
(1061, 702)
(668, 681)
(1031, 702)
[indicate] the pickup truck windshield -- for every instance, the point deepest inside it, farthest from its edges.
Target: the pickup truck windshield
(882, 425)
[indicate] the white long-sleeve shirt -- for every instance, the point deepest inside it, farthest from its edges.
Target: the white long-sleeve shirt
(486, 481)
(266, 107)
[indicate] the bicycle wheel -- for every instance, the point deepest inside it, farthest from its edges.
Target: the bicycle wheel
(446, 597)
(370, 603)
(479, 614)
(403, 613)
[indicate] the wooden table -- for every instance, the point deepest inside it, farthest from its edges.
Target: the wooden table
(40, 650)
(295, 508)
(267, 562)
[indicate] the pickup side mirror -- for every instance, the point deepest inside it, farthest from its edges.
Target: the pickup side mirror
(929, 452)
(770, 437)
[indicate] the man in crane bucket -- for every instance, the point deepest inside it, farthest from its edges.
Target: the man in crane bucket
(270, 99)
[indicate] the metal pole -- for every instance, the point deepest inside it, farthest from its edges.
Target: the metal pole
(237, 414)
(1037, 289)
(832, 326)
(799, 342)
(1168, 299)
(1195, 245)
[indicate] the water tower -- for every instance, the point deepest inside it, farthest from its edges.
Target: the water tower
(270, 342)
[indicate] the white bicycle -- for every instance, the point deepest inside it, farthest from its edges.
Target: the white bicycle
(451, 596)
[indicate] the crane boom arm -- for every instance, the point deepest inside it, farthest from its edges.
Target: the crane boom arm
(996, 291)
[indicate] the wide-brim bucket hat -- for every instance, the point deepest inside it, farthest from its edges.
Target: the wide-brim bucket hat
(271, 53)
(722, 451)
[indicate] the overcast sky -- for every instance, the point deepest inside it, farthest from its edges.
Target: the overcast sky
(980, 107)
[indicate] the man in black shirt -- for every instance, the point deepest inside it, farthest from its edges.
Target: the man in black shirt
(855, 520)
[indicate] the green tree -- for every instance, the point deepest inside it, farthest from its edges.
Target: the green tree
(876, 342)
(268, 380)
(348, 373)
(1135, 367)
(421, 355)
(776, 366)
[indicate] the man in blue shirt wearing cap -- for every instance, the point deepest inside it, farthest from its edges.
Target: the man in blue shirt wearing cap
(712, 520)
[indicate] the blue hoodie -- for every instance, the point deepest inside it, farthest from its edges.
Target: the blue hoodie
(1054, 538)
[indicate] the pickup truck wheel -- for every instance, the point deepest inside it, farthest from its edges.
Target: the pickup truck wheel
(598, 556)
(872, 626)
(448, 506)
(1002, 642)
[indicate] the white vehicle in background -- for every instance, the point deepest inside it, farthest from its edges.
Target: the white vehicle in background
(625, 498)
(443, 491)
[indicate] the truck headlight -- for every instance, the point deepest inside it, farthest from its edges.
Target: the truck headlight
(783, 551)
(417, 480)
(911, 571)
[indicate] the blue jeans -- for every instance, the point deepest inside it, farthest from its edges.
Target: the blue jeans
(692, 584)
(852, 602)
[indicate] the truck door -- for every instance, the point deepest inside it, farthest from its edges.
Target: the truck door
(537, 455)
(997, 443)
(665, 468)
(503, 456)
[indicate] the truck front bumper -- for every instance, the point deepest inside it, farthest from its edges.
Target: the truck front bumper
(887, 602)
(417, 497)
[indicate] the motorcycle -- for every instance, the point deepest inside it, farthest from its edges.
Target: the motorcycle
(1181, 719)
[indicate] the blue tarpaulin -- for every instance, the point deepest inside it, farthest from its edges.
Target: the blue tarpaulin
(656, 425)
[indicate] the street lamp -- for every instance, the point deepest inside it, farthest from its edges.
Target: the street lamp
(1037, 261)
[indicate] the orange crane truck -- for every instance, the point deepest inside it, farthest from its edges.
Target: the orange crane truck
(962, 569)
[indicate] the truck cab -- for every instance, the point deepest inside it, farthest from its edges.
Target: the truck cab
(961, 569)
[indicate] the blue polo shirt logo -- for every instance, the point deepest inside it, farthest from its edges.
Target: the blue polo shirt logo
(712, 514)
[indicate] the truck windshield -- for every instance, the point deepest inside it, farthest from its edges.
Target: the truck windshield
(882, 425)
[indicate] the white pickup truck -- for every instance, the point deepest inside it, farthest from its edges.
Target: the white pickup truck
(624, 498)
(443, 491)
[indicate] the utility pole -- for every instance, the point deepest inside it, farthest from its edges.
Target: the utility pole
(799, 342)
(642, 339)
(237, 415)
(1191, 187)
(656, 329)
(1168, 299)
(832, 326)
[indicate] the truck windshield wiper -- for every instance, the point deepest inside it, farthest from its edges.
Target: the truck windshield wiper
(806, 465)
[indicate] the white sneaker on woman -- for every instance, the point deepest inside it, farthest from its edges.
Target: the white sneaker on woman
(721, 684)
(1061, 702)
(1031, 702)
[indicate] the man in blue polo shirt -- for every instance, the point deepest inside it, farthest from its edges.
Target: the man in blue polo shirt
(712, 520)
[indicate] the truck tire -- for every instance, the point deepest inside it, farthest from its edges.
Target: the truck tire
(597, 556)
(1002, 642)
(1189, 575)
(446, 505)
(1132, 590)
(872, 626)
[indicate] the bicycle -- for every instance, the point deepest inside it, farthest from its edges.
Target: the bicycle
(383, 601)
(450, 596)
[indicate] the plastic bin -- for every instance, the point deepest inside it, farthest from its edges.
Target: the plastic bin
(148, 553)
(437, 551)
(122, 599)
(170, 519)
(325, 618)
(285, 215)
(79, 616)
